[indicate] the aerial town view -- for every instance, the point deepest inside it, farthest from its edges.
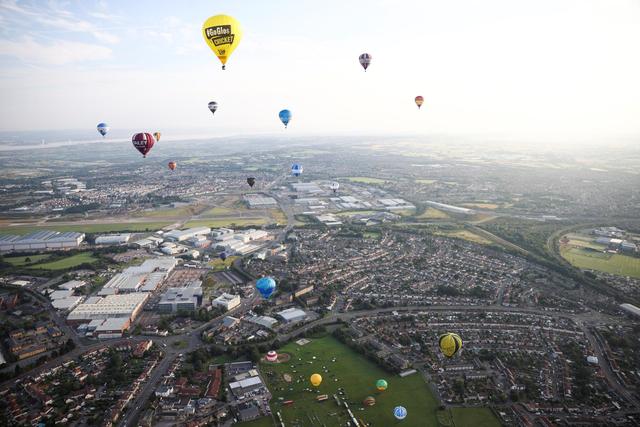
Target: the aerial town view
(272, 278)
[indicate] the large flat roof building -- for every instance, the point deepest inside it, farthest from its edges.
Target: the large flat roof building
(180, 235)
(180, 299)
(125, 305)
(113, 239)
(227, 301)
(631, 309)
(291, 315)
(40, 240)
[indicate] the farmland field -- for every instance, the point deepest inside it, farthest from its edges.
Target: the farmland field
(353, 373)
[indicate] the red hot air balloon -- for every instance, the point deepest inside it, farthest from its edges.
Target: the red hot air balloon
(172, 165)
(143, 142)
(419, 101)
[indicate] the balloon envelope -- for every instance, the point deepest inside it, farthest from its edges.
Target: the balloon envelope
(315, 379)
(400, 412)
(419, 101)
(172, 165)
(381, 385)
(156, 135)
(266, 286)
(213, 106)
(285, 117)
(450, 344)
(222, 33)
(365, 60)
(296, 169)
(369, 401)
(335, 186)
(251, 181)
(143, 142)
(103, 128)
(223, 256)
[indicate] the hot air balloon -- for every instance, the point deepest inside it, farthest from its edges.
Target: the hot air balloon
(172, 165)
(251, 181)
(400, 412)
(450, 344)
(296, 169)
(365, 60)
(419, 101)
(272, 356)
(315, 379)
(369, 401)
(103, 128)
(143, 142)
(213, 106)
(381, 385)
(285, 116)
(222, 34)
(334, 186)
(156, 135)
(223, 256)
(266, 286)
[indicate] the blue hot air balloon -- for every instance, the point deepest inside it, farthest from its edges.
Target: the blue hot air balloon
(266, 286)
(103, 128)
(285, 116)
(296, 169)
(223, 256)
(400, 412)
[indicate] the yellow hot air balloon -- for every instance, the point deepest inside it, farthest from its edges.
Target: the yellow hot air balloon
(222, 34)
(316, 379)
(450, 343)
(157, 136)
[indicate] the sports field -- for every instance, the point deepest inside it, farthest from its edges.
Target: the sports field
(341, 367)
(594, 260)
(69, 262)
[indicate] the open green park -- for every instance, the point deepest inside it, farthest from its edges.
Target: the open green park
(344, 371)
(33, 261)
(591, 259)
(86, 228)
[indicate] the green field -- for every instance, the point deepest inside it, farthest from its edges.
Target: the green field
(19, 261)
(219, 265)
(356, 375)
(226, 222)
(365, 180)
(431, 213)
(466, 235)
(87, 228)
(477, 417)
(68, 262)
(425, 181)
(609, 263)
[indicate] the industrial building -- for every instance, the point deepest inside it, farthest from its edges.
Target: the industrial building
(113, 239)
(180, 235)
(450, 208)
(307, 187)
(40, 240)
(292, 315)
(631, 309)
(227, 301)
(143, 278)
(181, 299)
(259, 201)
(124, 306)
(265, 321)
(72, 284)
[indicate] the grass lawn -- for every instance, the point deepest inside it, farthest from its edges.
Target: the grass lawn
(19, 261)
(365, 180)
(426, 181)
(68, 262)
(87, 228)
(609, 263)
(278, 216)
(217, 211)
(371, 235)
(178, 212)
(226, 222)
(356, 375)
(431, 213)
(477, 417)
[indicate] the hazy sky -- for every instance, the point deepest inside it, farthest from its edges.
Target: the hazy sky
(512, 67)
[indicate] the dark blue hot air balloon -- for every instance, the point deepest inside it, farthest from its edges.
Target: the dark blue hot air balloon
(296, 169)
(103, 128)
(223, 256)
(266, 286)
(285, 116)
